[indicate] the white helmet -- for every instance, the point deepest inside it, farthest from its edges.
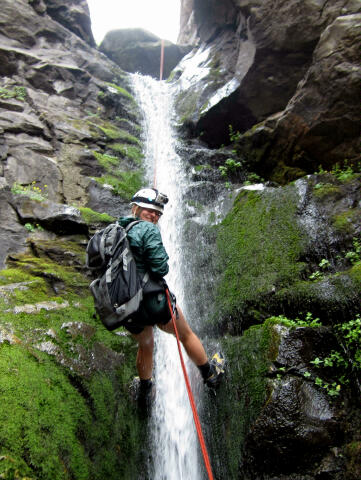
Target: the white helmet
(150, 198)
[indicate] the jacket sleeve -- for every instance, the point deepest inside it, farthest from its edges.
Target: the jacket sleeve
(155, 255)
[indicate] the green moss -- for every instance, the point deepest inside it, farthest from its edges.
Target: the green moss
(14, 275)
(44, 269)
(259, 244)
(99, 411)
(121, 91)
(130, 125)
(284, 174)
(115, 133)
(17, 92)
(344, 221)
(321, 190)
(90, 216)
(125, 187)
(355, 274)
(132, 152)
(108, 162)
(201, 168)
(242, 396)
(68, 415)
(45, 415)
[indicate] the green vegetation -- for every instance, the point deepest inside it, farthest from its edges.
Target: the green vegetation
(114, 133)
(253, 178)
(121, 91)
(90, 216)
(201, 168)
(44, 415)
(326, 189)
(125, 187)
(259, 245)
(308, 321)
(344, 171)
(344, 363)
(317, 275)
(67, 413)
(17, 92)
(108, 162)
(240, 400)
(354, 256)
(132, 152)
(111, 131)
(32, 227)
(344, 221)
(32, 191)
(341, 366)
(229, 168)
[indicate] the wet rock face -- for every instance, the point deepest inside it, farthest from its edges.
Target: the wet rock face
(298, 427)
(264, 57)
(136, 50)
(61, 103)
(274, 269)
(322, 118)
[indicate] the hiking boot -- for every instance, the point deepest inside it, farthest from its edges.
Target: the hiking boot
(143, 393)
(217, 371)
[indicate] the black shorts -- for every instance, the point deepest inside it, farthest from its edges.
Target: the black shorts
(153, 310)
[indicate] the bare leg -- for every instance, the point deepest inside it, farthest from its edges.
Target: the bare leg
(144, 361)
(189, 339)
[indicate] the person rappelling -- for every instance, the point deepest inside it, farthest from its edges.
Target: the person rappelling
(147, 205)
(130, 291)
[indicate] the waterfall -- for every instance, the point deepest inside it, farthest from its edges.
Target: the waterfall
(174, 442)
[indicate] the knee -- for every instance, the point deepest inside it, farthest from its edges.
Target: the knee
(147, 343)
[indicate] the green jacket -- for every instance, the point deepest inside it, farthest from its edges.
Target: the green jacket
(147, 247)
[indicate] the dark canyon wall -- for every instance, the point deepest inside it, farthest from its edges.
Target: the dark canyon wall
(291, 68)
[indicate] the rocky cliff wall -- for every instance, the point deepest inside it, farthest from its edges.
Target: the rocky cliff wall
(274, 62)
(70, 159)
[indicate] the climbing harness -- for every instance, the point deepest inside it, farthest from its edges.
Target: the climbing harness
(190, 395)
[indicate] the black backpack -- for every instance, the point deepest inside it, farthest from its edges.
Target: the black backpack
(118, 290)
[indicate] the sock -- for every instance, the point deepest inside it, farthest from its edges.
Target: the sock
(205, 370)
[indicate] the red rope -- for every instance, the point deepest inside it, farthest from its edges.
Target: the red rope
(161, 60)
(191, 398)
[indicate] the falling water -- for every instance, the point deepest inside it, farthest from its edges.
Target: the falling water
(175, 445)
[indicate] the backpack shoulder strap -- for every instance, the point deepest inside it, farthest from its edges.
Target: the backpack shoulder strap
(130, 225)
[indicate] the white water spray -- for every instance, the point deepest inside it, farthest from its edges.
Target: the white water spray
(174, 443)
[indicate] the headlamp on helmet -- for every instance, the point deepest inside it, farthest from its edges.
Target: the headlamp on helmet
(150, 198)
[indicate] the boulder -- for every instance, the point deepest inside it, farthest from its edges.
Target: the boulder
(136, 50)
(59, 218)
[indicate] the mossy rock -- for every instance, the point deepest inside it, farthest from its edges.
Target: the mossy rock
(130, 152)
(61, 367)
(260, 247)
(242, 395)
(124, 186)
(345, 222)
(95, 218)
(284, 174)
